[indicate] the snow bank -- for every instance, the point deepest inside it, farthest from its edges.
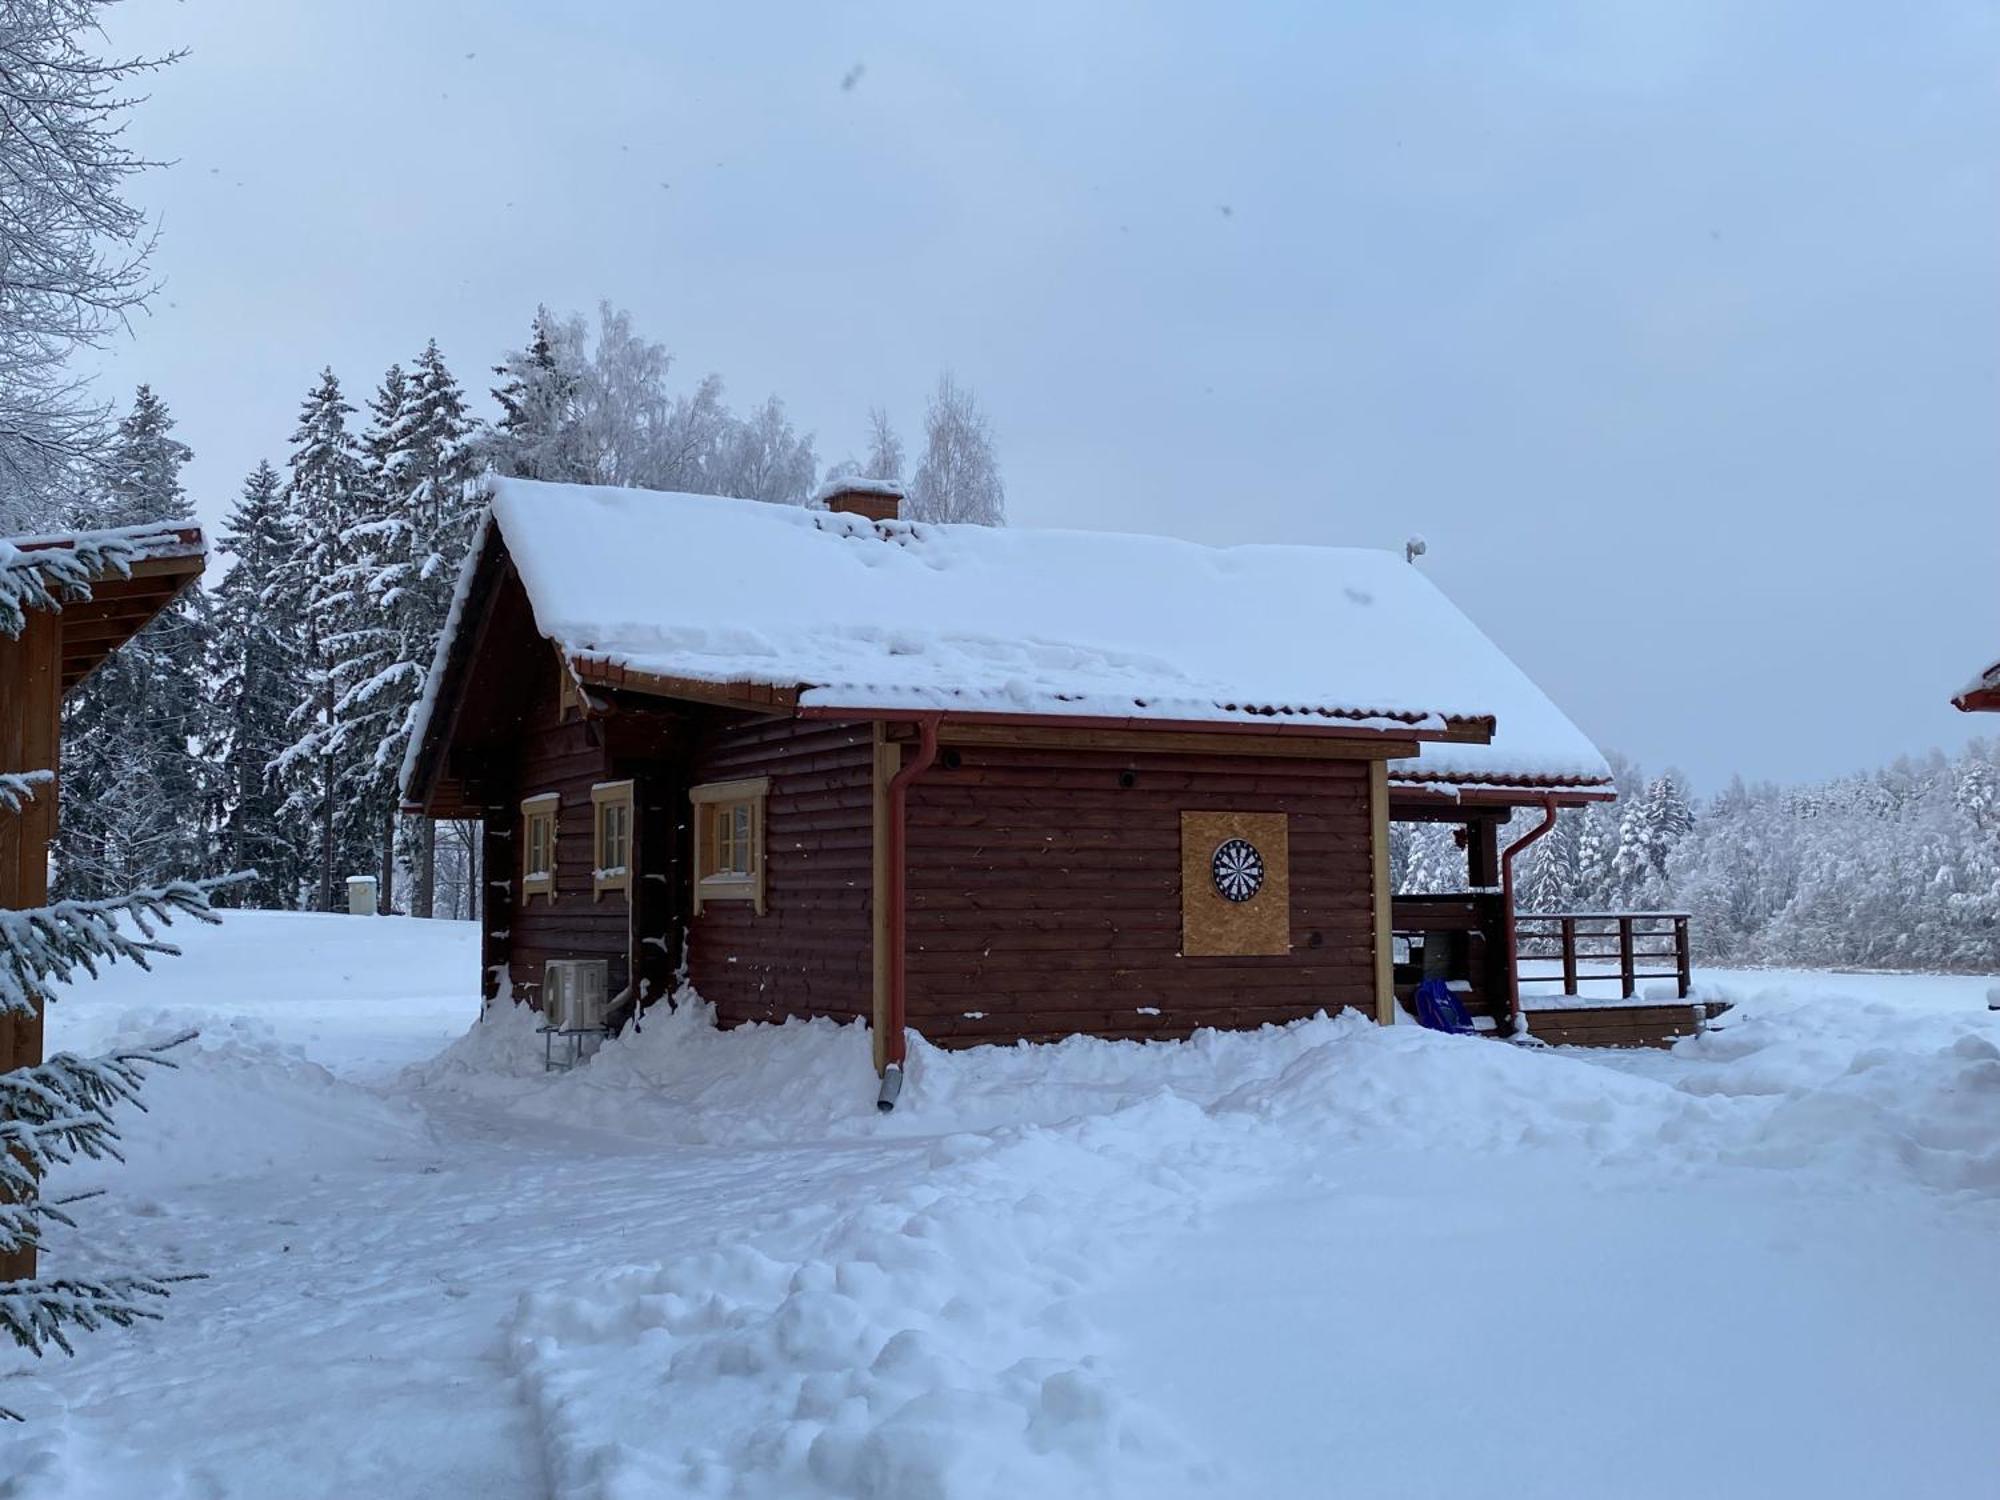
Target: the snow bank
(239, 1102)
(1874, 1088)
(1908, 1095)
(684, 1080)
(364, 996)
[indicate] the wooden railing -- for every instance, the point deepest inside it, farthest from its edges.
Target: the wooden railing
(1585, 944)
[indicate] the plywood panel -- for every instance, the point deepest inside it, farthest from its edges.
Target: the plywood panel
(1212, 924)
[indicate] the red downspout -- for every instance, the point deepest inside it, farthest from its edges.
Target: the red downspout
(899, 786)
(1515, 1024)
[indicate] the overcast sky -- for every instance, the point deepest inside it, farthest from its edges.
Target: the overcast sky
(1674, 327)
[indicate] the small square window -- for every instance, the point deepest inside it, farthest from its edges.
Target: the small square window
(538, 845)
(729, 841)
(612, 847)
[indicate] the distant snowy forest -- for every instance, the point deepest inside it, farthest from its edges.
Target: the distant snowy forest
(1897, 868)
(261, 724)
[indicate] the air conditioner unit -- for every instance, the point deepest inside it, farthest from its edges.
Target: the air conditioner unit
(573, 993)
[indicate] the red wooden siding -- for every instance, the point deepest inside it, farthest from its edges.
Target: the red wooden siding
(568, 759)
(1044, 895)
(810, 952)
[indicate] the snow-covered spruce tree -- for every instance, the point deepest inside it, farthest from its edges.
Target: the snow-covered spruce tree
(134, 776)
(538, 434)
(959, 476)
(256, 680)
(1596, 886)
(74, 250)
(1433, 862)
(1548, 868)
(403, 551)
(437, 472)
(325, 497)
(365, 641)
(1652, 824)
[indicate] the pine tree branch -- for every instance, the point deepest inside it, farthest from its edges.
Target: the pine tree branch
(17, 788)
(48, 577)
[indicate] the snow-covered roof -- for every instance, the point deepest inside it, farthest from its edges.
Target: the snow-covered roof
(1982, 693)
(42, 571)
(865, 615)
(82, 554)
(858, 484)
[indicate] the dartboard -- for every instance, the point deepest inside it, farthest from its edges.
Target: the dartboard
(1237, 869)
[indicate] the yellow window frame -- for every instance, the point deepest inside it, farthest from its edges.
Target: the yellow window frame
(729, 841)
(611, 839)
(538, 845)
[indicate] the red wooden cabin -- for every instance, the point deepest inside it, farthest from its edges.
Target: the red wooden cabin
(987, 785)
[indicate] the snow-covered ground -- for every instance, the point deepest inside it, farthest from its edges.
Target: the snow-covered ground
(1327, 1260)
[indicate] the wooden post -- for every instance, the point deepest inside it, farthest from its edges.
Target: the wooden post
(1683, 956)
(1625, 961)
(1482, 854)
(1384, 901)
(423, 900)
(1569, 954)
(494, 903)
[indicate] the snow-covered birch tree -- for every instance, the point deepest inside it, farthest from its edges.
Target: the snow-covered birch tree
(587, 409)
(958, 478)
(72, 249)
(885, 448)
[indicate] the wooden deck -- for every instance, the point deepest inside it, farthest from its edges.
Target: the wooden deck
(1461, 938)
(1639, 1025)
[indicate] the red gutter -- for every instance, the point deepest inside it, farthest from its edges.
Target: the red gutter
(1517, 1025)
(899, 786)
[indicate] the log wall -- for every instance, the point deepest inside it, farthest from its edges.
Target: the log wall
(1045, 894)
(568, 758)
(810, 953)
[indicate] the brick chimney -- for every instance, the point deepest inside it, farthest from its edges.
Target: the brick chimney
(852, 495)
